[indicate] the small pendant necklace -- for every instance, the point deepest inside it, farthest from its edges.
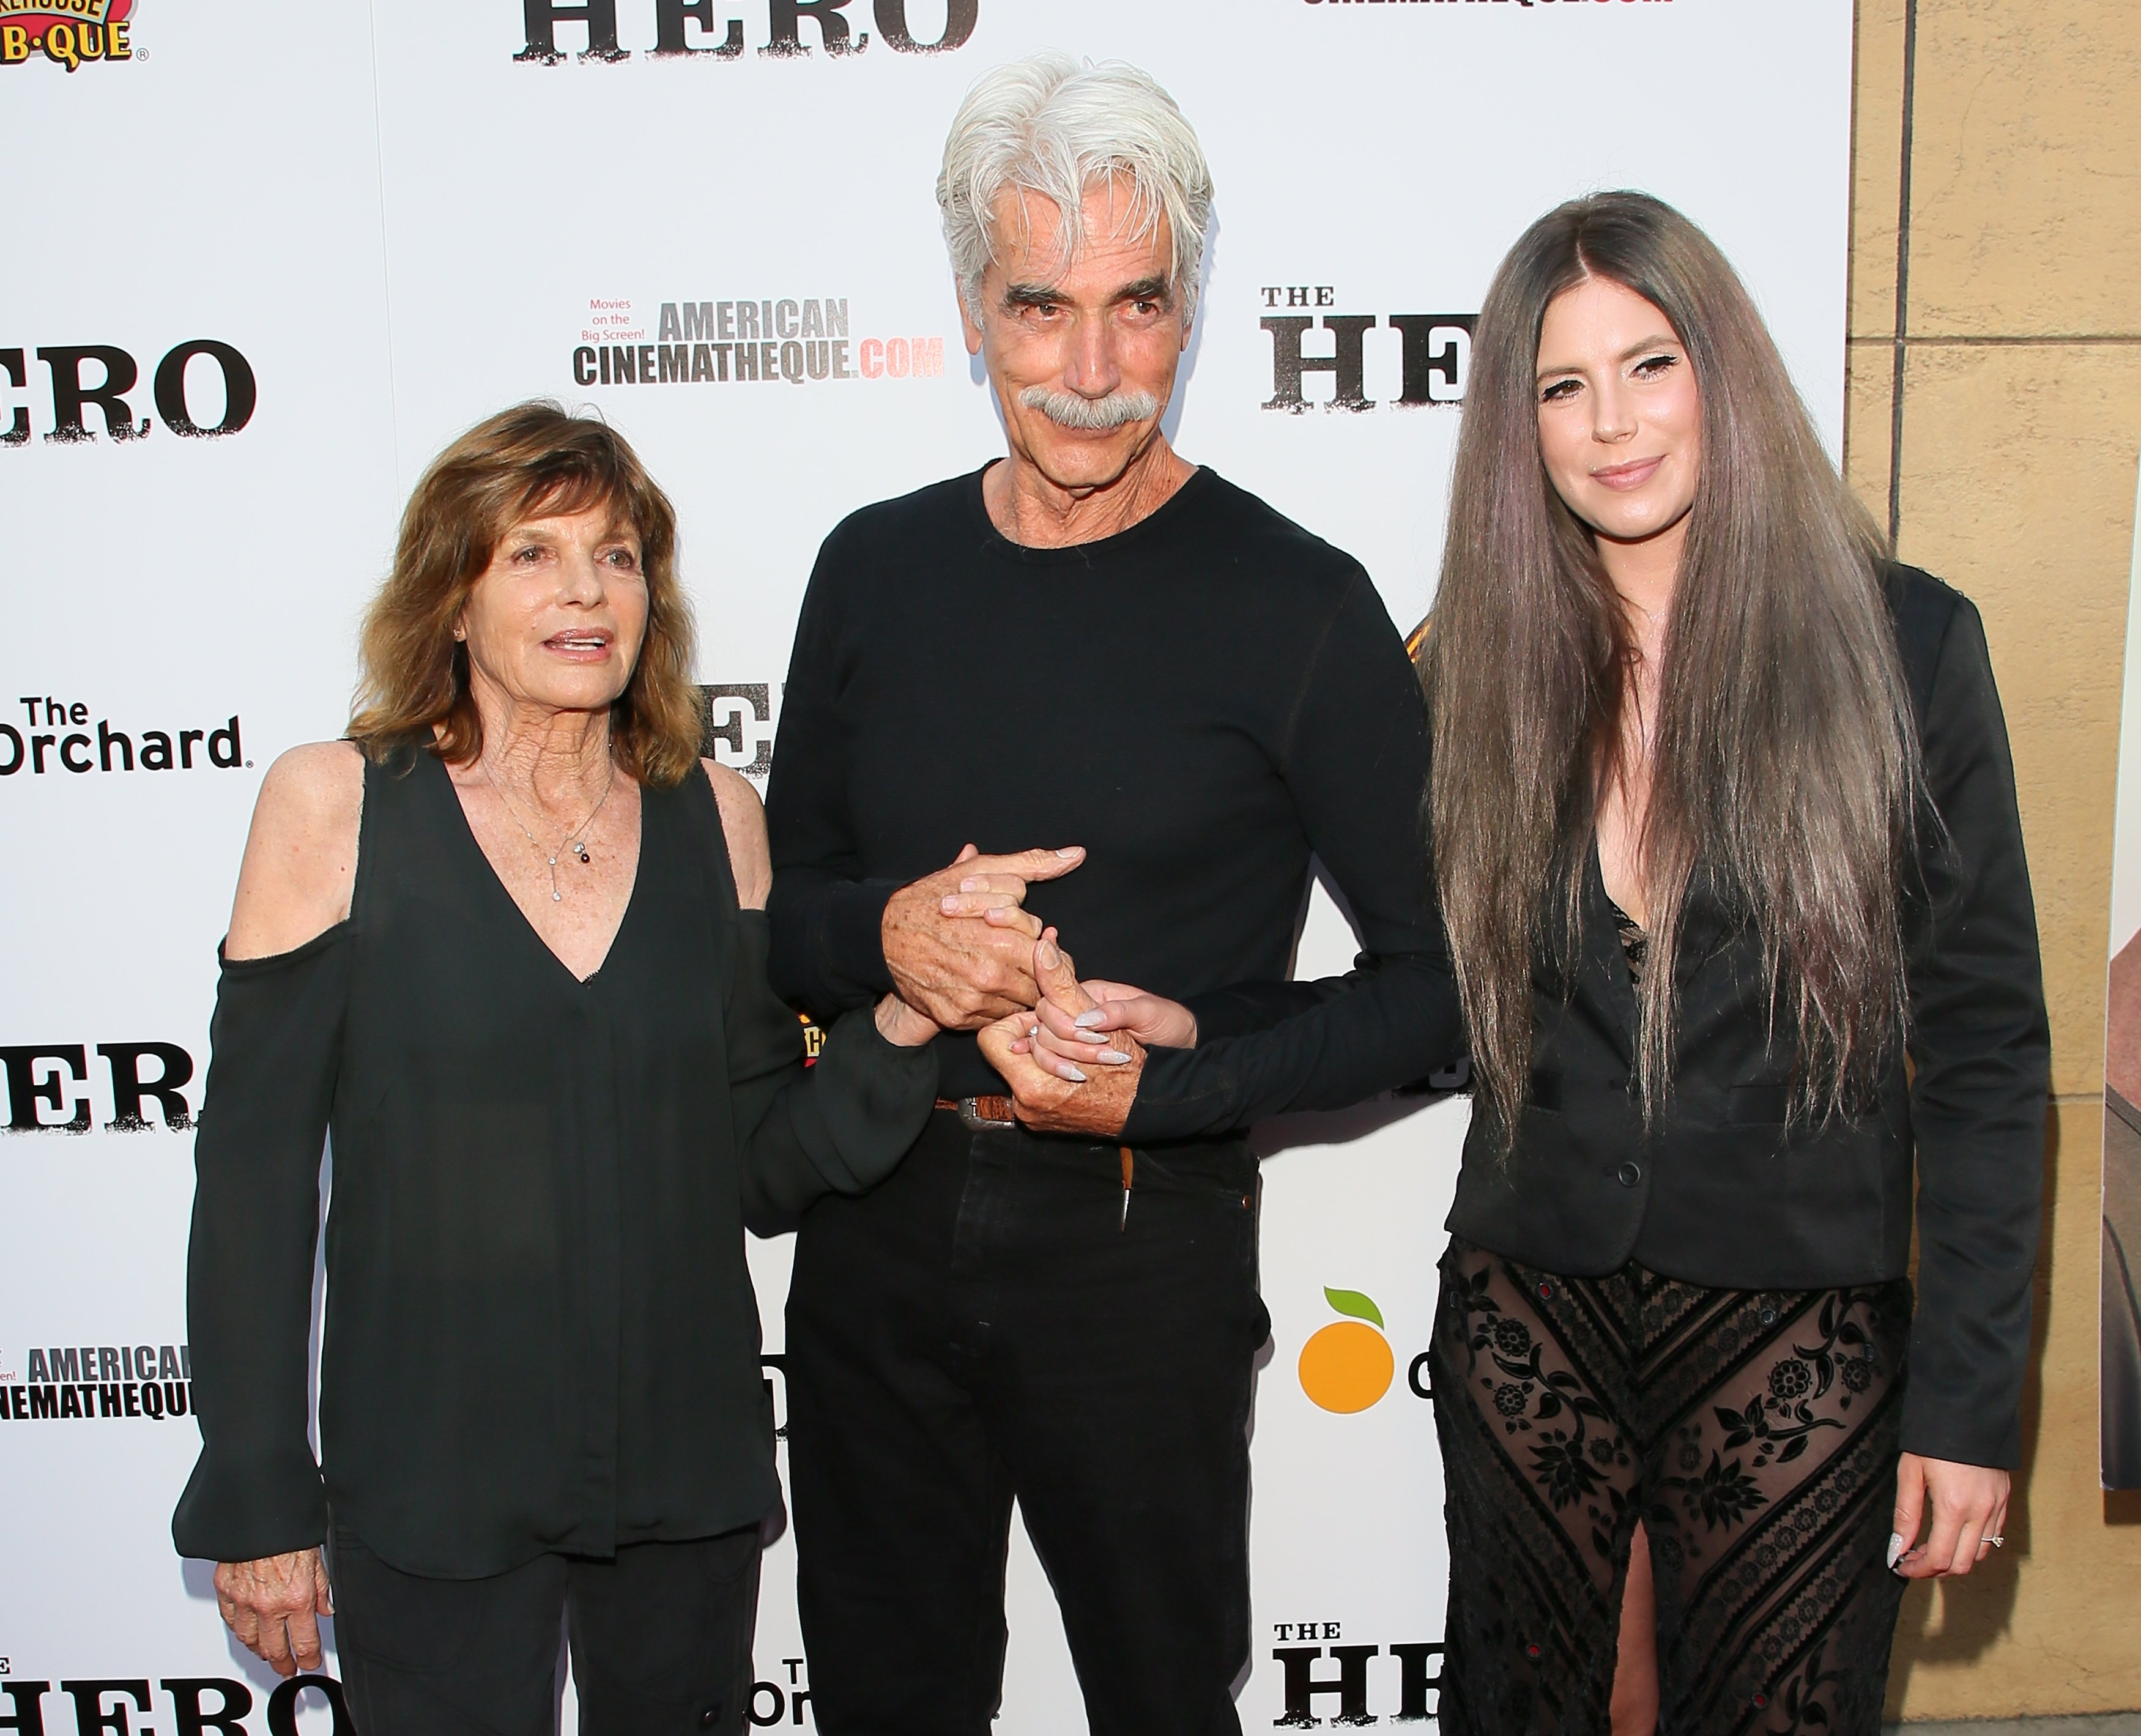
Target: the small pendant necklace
(574, 841)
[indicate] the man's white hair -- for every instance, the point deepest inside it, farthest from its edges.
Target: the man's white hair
(1050, 125)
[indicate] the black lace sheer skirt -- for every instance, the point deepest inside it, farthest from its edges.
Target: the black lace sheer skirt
(1753, 1433)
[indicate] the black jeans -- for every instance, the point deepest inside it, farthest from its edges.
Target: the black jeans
(988, 1324)
(661, 1638)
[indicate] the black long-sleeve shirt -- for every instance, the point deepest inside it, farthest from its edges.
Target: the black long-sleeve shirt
(1204, 701)
(541, 1333)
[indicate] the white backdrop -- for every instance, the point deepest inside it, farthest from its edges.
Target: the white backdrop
(398, 220)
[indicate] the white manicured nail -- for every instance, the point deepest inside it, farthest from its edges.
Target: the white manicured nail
(1088, 1019)
(1070, 1072)
(1895, 1548)
(1112, 1057)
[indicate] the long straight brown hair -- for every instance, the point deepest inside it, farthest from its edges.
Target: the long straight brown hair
(1784, 763)
(534, 460)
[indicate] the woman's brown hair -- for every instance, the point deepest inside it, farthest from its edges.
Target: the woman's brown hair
(532, 461)
(1785, 764)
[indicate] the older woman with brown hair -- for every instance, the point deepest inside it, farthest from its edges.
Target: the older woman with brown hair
(506, 945)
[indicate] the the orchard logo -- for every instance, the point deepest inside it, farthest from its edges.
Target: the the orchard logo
(714, 30)
(58, 735)
(69, 33)
(1348, 1364)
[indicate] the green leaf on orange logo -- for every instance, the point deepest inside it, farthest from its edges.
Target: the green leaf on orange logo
(1352, 1302)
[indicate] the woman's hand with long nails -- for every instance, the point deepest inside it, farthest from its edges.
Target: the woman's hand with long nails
(1052, 1094)
(1087, 1040)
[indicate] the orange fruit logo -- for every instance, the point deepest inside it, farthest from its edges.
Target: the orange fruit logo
(1348, 1365)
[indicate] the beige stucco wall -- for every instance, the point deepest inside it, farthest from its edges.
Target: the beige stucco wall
(2021, 426)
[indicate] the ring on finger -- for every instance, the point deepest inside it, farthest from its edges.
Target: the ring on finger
(1995, 1542)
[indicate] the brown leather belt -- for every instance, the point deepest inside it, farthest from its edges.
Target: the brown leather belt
(994, 1114)
(980, 1113)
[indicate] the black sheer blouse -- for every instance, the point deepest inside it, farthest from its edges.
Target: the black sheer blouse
(539, 1332)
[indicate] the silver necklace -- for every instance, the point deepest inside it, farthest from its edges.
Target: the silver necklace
(574, 841)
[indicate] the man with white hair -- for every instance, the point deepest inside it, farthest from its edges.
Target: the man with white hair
(1164, 697)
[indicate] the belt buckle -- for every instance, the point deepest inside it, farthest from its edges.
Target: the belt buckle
(970, 1113)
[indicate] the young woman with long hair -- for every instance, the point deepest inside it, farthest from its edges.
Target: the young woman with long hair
(1725, 837)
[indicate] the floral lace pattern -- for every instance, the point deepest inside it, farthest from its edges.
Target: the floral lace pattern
(1752, 1432)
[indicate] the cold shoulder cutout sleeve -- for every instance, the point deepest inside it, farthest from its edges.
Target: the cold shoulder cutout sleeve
(276, 1043)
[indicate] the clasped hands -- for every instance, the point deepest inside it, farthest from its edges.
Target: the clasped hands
(963, 949)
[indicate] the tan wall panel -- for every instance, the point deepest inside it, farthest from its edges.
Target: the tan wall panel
(2026, 168)
(2018, 484)
(2018, 489)
(1877, 158)
(1869, 378)
(2050, 1625)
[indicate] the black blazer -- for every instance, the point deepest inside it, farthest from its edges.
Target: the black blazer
(1721, 1191)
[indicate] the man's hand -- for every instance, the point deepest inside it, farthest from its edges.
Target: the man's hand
(956, 971)
(1043, 1100)
(274, 1606)
(1966, 1506)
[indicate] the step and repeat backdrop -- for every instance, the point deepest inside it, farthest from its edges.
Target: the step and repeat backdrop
(262, 263)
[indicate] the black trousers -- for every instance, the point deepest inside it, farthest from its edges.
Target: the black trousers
(661, 1639)
(987, 1324)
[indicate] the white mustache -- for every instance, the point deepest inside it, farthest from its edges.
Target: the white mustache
(1067, 410)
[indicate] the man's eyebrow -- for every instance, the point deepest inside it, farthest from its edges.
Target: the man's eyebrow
(1146, 289)
(1033, 295)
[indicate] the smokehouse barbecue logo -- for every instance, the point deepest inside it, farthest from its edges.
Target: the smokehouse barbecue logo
(798, 339)
(1427, 357)
(69, 33)
(96, 1382)
(714, 29)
